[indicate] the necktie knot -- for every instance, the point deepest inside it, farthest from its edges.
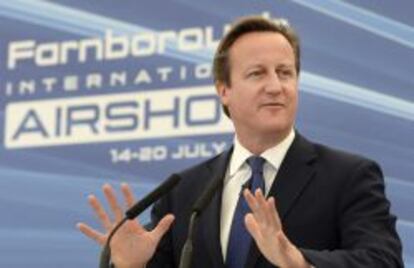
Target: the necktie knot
(256, 180)
(256, 164)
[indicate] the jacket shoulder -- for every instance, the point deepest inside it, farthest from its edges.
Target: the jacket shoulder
(339, 157)
(211, 165)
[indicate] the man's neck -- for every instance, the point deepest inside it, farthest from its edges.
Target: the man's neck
(258, 144)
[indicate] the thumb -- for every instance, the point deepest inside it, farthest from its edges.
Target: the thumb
(162, 227)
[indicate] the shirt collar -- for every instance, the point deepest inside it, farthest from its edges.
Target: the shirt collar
(274, 155)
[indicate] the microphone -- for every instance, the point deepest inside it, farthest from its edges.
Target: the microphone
(140, 206)
(198, 207)
(206, 196)
(134, 211)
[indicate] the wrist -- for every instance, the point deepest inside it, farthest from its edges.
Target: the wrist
(295, 259)
(138, 266)
(114, 265)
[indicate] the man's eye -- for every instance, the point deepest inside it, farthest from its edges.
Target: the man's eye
(255, 73)
(285, 73)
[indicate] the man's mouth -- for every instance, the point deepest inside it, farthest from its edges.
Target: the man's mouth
(273, 104)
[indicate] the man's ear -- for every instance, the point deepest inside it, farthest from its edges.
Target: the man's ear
(222, 91)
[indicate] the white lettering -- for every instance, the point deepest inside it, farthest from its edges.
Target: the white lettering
(19, 51)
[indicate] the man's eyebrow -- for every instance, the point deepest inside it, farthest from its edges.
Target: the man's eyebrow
(284, 65)
(253, 66)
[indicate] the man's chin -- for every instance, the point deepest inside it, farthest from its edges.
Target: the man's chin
(276, 129)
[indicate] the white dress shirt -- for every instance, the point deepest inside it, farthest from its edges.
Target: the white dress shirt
(238, 173)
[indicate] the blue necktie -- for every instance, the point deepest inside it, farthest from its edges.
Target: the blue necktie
(240, 239)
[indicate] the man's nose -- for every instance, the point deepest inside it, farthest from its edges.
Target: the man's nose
(273, 84)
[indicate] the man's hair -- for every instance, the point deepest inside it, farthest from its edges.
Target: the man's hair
(221, 62)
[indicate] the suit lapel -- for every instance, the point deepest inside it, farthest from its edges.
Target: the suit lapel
(210, 218)
(296, 171)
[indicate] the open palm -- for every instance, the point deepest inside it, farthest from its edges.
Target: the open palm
(132, 245)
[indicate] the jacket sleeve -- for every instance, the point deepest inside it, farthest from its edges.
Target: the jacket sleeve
(368, 237)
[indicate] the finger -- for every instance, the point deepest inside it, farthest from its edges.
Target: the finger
(113, 202)
(130, 201)
(267, 216)
(128, 195)
(251, 200)
(100, 212)
(92, 233)
(275, 219)
(260, 213)
(260, 197)
(252, 226)
(254, 205)
(162, 227)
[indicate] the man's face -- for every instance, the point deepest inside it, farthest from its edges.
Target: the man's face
(263, 96)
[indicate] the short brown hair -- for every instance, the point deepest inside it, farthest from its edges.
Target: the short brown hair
(221, 63)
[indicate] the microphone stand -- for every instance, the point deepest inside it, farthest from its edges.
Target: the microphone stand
(198, 207)
(105, 258)
(187, 251)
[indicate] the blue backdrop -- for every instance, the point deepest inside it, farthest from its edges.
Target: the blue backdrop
(111, 91)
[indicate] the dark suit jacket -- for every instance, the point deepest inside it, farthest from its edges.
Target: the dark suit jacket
(332, 206)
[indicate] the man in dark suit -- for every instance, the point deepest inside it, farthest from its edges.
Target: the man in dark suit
(303, 204)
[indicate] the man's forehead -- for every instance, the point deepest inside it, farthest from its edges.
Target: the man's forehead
(256, 41)
(256, 47)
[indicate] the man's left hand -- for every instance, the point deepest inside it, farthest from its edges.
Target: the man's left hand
(264, 225)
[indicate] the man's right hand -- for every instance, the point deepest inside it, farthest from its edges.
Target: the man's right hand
(132, 246)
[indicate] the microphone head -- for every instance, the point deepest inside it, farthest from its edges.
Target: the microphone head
(207, 194)
(156, 194)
